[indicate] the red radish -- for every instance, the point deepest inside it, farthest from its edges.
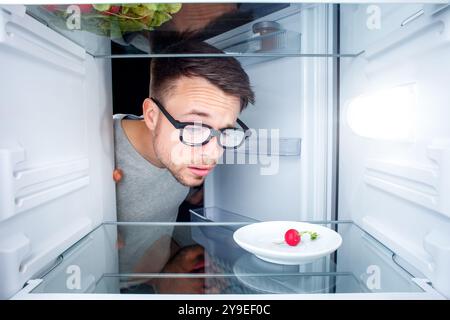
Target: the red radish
(292, 237)
(85, 8)
(112, 10)
(51, 7)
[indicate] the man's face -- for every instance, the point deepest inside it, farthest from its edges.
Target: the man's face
(192, 100)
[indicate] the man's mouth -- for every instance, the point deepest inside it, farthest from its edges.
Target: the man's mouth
(200, 170)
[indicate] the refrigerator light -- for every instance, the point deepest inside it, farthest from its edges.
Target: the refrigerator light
(385, 115)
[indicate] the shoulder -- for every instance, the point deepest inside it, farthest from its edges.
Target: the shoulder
(117, 118)
(120, 116)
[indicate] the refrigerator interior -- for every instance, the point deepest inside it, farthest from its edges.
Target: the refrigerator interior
(228, 270)
(350, 117)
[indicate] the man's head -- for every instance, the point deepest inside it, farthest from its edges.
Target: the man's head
(210, 90)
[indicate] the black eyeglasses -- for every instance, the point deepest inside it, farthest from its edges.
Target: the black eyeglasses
(198, 134)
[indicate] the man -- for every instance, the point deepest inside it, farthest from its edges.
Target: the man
(188, 120)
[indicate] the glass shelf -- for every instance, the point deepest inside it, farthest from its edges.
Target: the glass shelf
(97, 31)
(201, 257)
(260, 56)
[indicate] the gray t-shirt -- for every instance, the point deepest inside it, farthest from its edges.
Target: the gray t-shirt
(145, 193)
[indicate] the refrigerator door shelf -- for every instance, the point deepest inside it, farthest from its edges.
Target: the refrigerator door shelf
(263, 145)
(397, 187)
(132, 263)
(56, 147)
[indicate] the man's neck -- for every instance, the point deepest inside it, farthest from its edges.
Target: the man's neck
(141, 138)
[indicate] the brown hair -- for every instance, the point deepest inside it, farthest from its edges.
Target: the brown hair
(225, 73)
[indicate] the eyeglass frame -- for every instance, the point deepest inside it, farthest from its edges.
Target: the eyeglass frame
(213, 132)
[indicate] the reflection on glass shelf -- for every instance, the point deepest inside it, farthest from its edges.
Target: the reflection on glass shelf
(145, 30)
(214, 214)
(202, 257)
(231, 284)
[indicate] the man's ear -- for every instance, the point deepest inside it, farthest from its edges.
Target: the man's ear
(151, 113)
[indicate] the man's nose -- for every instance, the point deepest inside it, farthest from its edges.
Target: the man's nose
(212, 149)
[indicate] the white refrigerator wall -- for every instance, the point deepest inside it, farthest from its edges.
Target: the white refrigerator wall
(394, 152)
(291, 96)
(56, 146)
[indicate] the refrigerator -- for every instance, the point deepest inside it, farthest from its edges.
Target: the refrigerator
(351, 122)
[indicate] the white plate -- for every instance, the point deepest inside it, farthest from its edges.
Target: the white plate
(266, 241)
